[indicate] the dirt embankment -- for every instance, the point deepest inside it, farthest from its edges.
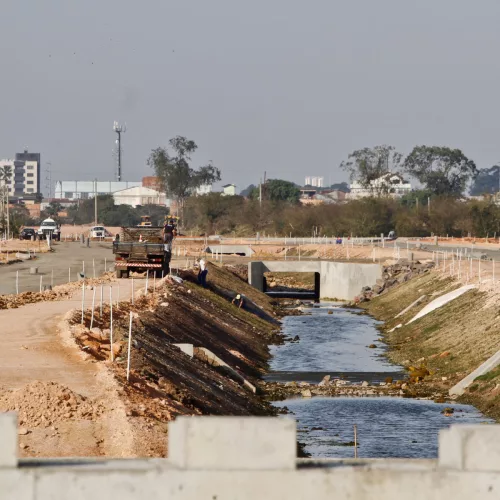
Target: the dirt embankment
(164, 381)
(445, 345)
(59, 292)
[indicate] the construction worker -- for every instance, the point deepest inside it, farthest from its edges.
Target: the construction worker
(238, 301)
(202, 273)
(169, 232)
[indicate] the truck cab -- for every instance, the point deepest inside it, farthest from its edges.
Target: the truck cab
(145, 221)
(50, 228)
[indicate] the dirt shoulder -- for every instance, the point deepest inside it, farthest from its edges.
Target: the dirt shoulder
(444, 346)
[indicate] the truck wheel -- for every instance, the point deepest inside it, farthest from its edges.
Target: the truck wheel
(119, 273)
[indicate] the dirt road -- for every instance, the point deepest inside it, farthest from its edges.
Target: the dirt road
(36, 347)
(55, 268)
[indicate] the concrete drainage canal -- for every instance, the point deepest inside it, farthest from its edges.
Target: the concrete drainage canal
(339, 342)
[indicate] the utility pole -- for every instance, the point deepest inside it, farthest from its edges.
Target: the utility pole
(260, 192)
(119, 129)
(8, 217)
(48, 179)
(95, 202)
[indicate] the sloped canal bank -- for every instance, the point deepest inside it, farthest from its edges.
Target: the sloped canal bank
(338, 342)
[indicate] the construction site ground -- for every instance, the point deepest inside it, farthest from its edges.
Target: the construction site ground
(72, 401)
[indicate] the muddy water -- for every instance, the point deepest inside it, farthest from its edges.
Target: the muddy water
(332, 340)
(337, 344)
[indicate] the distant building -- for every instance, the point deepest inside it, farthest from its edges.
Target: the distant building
(139, 195)
(83, 190)
(229, 190)
(151, 182)
(25, 179)
(311, 196)
(204, 189)
(314, 181)
(27, 173)
(392, 185)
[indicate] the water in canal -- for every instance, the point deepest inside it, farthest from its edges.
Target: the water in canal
(337, 343)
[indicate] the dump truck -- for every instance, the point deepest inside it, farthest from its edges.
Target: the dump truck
(141, 249)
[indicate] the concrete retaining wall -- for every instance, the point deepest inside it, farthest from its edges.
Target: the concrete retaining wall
(339, 280)
(253, 458)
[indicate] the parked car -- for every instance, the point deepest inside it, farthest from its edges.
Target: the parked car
(97, 232)
(27, 233)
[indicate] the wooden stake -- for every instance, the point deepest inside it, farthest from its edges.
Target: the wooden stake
(129, 346)
(355, 441)
(111, 321)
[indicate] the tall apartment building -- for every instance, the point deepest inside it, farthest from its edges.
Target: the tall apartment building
(314, 181)
(26, 175)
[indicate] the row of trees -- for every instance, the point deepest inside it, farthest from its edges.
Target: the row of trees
(409, 216)
(440, 170)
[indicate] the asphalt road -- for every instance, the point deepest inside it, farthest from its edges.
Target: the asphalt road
(55, 268)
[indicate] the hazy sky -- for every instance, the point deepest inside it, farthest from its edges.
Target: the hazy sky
(286, 86)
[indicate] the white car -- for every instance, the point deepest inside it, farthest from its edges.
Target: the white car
(97, 232)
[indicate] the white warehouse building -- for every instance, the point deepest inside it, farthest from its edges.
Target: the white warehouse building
(140, 195)
(83, 190)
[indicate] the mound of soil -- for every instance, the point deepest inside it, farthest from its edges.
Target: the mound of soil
(45, 403)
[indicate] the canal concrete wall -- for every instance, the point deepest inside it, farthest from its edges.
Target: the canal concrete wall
(218, 458)
(339, 280)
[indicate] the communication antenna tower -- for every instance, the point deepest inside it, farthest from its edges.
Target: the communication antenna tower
(119, 129)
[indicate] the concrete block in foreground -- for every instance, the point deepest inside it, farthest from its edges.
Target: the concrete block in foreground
(227, 443)
(473, 448)
(8, 440)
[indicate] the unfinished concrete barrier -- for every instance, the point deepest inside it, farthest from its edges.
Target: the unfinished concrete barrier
(253, 458)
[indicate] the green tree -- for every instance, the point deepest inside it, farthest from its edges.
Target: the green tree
(247, 191)
(278, 190)
(486, 182)
(53, 209)
(442, 170)
(177, 178)
(366, 165)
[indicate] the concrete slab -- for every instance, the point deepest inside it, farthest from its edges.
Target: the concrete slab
(473, 448)
(441, 301)
(187, 349)
(8, 439)
(488, 365)
(225, 443)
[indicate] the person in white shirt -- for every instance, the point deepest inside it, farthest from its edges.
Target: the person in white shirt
(202, 273)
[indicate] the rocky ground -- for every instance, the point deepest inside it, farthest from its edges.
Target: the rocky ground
(393, 275)
(337, 387)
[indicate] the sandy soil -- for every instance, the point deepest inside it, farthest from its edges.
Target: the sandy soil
(37, 347)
